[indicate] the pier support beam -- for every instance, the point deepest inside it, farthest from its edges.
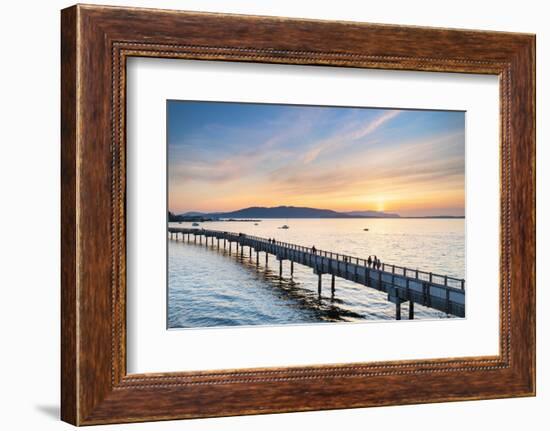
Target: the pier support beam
(257, 257)
(332, 283)
(397, 310)
(242, 248)
(266, 257)
(319, 283)
(281, 268)
(411, 310)
(291, 268)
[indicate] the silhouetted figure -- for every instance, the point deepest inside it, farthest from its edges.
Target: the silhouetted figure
(313, 250)
(379, 264)
(369, 261)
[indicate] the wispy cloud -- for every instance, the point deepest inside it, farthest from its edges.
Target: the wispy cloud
(343, 138)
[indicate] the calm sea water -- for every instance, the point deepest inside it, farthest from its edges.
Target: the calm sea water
(208, 287)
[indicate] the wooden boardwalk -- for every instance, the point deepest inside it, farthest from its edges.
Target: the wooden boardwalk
(440, 292)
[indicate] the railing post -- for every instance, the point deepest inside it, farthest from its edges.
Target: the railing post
(397, 310)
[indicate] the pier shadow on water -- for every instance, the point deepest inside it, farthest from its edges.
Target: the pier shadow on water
(303, 302)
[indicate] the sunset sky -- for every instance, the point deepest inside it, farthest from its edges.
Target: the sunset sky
(228, 156)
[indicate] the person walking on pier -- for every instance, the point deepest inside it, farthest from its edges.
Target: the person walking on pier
(369, 261)
(313, 250)
(378, 263)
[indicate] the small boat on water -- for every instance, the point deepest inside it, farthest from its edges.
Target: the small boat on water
(195, 224)
(285, 226)
(366, 229)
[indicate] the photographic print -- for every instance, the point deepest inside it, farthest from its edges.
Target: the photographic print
(294, 214)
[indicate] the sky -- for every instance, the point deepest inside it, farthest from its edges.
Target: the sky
(228, 156)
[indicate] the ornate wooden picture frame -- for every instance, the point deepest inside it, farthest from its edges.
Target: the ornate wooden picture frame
(96, 41)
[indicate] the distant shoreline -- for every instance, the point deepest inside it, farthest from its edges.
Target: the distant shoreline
(291, 212)
(236, 219)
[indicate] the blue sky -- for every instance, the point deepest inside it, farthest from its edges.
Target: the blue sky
(226, 156)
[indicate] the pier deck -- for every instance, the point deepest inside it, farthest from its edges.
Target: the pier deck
(440, 292)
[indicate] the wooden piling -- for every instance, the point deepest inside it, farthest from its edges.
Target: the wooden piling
(281, 268)
(291, 268)
(319, 284)
(332, 284)
(397, 310)
(257, 257)
(411, 310)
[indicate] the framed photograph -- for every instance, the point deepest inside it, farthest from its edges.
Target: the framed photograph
(265, 215)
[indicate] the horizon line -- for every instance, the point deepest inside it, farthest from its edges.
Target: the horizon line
(345, 212)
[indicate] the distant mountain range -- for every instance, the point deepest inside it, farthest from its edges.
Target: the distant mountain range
(287, 212)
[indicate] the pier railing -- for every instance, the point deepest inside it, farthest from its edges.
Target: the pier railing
(443, 280)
